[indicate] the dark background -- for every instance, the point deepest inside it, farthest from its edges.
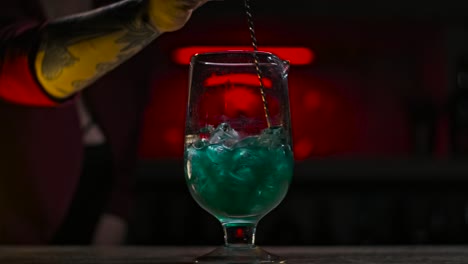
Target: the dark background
(380, 124)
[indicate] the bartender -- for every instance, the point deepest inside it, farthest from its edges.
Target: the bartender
(67, 160)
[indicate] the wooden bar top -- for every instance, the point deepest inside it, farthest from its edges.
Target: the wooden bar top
(300, 255)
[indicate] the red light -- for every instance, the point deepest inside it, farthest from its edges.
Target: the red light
(303, 149)
(240, 79)
(236, 95)
(174, 136)
(312, 100)
(240, 100)
(295, 55)
(239, 233)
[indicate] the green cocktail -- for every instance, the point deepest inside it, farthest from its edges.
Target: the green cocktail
(242, 169)
(239, 180)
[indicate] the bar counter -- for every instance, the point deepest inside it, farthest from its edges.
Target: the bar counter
(180, 255)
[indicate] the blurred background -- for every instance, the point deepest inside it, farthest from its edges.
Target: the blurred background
(379, 104)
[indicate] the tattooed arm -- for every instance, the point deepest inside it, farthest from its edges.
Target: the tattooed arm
(75, 51)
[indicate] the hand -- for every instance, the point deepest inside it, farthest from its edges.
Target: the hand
(171, 15)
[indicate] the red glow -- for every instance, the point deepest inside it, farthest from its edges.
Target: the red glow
(324, 116)
(174, 136)
(240, 100)
(327, 113)
(221, 105)
(303, 148)
(241, 79)
(234, 96)
(239, 233)
(312, 100)
(295, 55)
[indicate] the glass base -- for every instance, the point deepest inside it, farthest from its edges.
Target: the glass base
(239, 255)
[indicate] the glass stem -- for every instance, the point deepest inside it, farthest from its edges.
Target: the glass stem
(239, 235)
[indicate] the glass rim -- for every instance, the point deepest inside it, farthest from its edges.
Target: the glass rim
(202, 56)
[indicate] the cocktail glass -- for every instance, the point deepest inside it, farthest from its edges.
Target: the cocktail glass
(238, 150)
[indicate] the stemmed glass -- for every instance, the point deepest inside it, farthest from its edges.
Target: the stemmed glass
(238, 150)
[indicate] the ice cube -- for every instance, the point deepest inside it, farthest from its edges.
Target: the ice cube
(247, 142)
(272, 137)
(230, 143)
(244, 161)
(224, 133)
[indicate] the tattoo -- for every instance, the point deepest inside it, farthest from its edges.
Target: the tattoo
(101, 69)
(56, 53)
(55, 59)
(138, 35)
(124, 17)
